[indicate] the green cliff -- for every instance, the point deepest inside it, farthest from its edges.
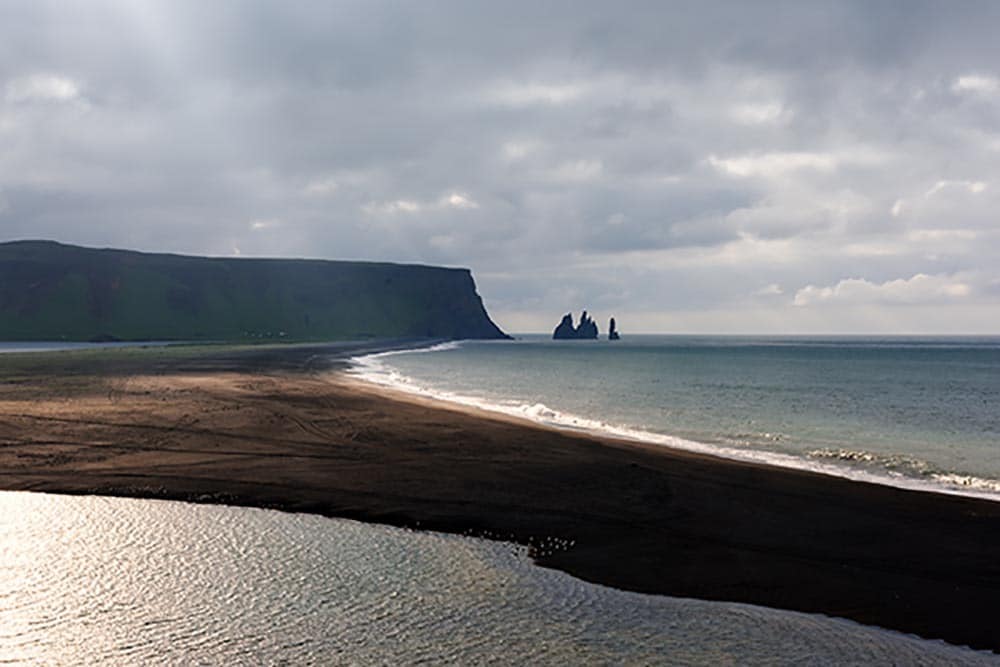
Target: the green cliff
(51, 291)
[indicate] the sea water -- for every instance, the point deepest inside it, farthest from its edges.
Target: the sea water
(115, 581)
(906, 411)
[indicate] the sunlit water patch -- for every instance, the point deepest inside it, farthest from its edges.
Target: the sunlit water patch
(87, 580)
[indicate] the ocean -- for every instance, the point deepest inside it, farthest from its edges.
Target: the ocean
(906, 411)
(119, 581)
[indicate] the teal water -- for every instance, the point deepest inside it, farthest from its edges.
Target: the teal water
(116, 581)
(907, 411)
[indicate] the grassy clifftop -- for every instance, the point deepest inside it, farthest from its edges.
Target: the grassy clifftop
(51, 291)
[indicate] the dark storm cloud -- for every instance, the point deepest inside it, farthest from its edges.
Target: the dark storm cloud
(675, 161)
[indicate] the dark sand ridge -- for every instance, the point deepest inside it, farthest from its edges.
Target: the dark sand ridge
(275, 427)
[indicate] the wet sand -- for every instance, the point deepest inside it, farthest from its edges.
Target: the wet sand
(283, 428)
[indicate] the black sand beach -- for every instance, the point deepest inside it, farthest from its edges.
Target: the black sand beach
(281, 427)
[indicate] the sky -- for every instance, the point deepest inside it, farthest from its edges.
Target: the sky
(687, 167)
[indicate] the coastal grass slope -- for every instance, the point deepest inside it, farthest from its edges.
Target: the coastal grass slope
(52, 291)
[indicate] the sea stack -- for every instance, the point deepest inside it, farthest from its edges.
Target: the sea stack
(612, 331)
(586, 330)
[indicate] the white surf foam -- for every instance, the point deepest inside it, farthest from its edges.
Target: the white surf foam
(372, 368)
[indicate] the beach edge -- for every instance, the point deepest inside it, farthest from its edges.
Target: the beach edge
(639, 517)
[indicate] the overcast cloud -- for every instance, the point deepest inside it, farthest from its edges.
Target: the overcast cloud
(733, 167)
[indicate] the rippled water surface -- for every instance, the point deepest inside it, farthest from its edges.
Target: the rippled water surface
(87, 580)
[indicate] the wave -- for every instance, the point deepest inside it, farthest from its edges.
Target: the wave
(857, 465)
(368, 359)
(911, 467)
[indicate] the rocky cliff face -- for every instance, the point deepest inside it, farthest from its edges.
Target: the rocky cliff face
(586, 330)
(50, 291)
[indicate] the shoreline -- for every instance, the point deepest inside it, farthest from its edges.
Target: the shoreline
(973, 487)
(275, 430)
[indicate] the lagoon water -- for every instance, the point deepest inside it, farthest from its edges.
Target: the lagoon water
(112, 581)
(913, 412)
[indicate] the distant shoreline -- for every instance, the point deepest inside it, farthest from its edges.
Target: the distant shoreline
(273, 427)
